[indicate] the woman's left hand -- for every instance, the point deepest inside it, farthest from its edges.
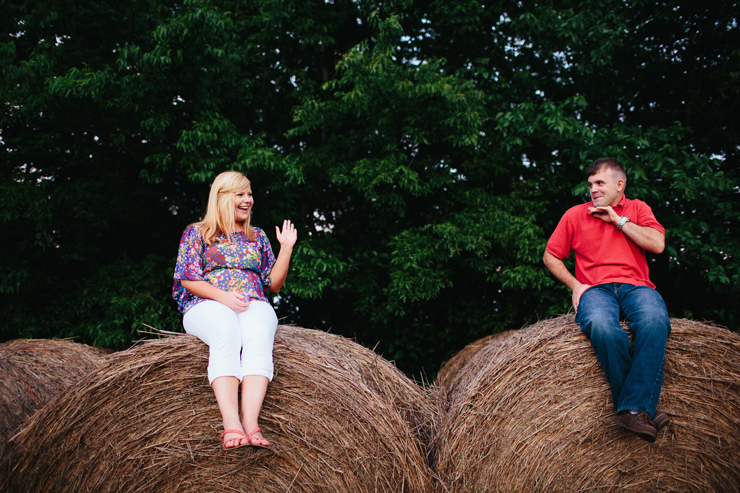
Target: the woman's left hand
(288, 236)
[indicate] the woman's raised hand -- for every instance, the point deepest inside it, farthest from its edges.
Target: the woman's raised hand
(288, 236)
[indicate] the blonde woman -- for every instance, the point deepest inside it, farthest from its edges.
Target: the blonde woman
(225, 268)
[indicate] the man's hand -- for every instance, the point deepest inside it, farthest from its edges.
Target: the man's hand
(577, 292)
(647, 238)
(605, 213)
(558, 269)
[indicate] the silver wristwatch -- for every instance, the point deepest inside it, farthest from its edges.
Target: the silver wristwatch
(622, 221)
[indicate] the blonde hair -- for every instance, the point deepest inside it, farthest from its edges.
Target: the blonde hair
(220, 216)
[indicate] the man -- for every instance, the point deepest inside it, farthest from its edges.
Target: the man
(609, 237)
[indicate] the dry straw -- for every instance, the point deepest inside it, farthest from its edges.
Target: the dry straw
(538, 416)
(32, 372)
(450, 375)
(339, 417)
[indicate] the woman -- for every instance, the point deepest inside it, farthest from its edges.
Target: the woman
(225, 268)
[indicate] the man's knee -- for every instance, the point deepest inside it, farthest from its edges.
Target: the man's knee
(651, 315)
(657, 319)
(654, 324)
(601, 325)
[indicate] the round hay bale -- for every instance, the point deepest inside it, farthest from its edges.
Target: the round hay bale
(338, 416)
(540, 418)
(32, 372)
(450, 370)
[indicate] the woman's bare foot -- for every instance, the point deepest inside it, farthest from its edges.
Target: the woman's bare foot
(255, 438)
(255, 435)
(254, 388)
(226, 390)
(234, 436)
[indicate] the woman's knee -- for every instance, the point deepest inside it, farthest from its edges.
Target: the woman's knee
(259, 324)
(213, 323)
(259, 320)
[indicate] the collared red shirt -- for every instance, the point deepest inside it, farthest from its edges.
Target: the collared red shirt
(604, 253)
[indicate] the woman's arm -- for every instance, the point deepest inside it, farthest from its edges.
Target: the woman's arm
(207, 291)
(287, 238)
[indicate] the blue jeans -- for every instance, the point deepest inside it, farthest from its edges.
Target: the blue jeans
(635, 376)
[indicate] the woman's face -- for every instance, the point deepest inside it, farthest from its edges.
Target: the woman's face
(243, 202)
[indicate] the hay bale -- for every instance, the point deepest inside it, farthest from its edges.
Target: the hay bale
(32, 372)
(540, 418)
(450, 372)
(339, 418)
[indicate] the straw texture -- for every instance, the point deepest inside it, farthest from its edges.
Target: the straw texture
(451, 376)
(338, 416)
(32, 372)
(538, 416)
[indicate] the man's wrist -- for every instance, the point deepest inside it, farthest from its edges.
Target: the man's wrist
(622, 221)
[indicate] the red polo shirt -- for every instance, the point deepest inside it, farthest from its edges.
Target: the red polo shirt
(604, 254)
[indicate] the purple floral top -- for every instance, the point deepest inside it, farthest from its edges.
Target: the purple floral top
(237, 265)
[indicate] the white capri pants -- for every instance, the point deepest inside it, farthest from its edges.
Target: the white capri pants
(240, 342)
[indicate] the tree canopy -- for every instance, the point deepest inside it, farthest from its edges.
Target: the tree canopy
(425, 149)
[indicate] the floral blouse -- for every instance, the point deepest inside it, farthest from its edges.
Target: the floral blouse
(237, 265)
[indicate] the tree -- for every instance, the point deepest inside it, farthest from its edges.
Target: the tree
(425, 149)
(559, 90)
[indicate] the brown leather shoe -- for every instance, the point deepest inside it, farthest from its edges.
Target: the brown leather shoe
(639, 424)
(660, 420)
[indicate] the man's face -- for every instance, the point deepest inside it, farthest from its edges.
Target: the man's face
(606, 188)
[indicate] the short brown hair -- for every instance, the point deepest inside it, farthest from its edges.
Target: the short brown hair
(607, 163)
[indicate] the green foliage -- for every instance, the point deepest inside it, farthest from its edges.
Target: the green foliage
(425, 149)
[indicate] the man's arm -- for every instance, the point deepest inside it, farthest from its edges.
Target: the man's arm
(645, 237)
(560, 271)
